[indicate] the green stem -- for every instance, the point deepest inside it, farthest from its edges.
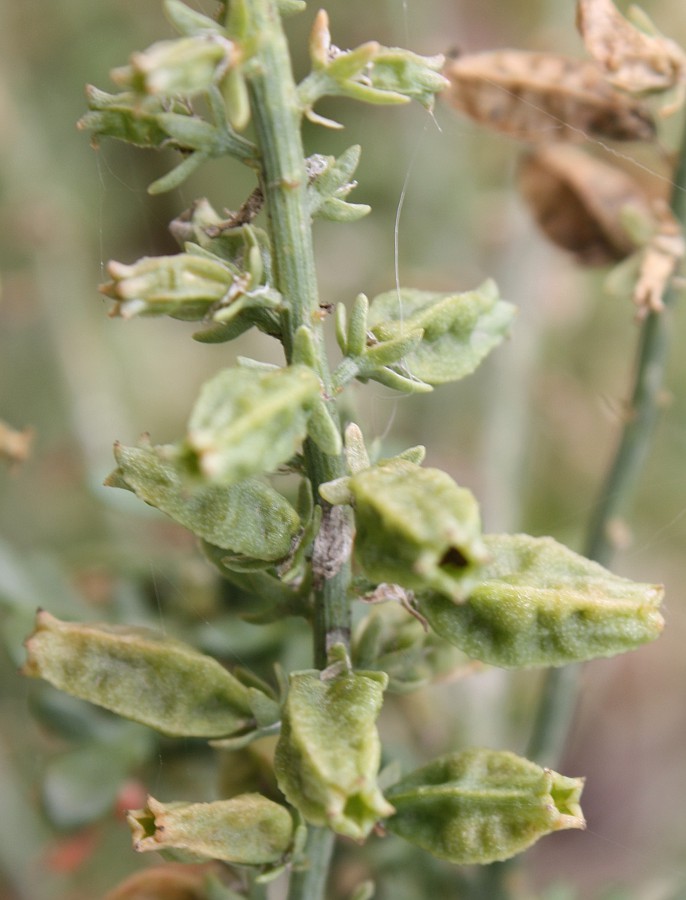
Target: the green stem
(561, 686)
(636, 438)
(277, 120)
(310, 883)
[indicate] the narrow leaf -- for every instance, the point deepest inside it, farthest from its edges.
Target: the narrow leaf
(189, 22)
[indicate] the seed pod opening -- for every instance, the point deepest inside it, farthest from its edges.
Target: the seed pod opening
(539, 604)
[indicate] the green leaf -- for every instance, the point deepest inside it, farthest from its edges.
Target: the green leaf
(460, 330)
(248, 518)
(143, 122)
(247, 830)
(138, 674)
(290, 7)
(189, 22)
(356, 339)
(327, 757)
(537, 603)
(403, 72)
(370, 73)
(417, 528)
(482, 806)
(331, 183)
(246, 421)
(323, 430)
(186, 66)
(176, 177)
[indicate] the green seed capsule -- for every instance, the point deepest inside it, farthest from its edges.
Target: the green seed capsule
(482, 806)
(539, 604)
(248, 830)
(245, 422)
(249, 518)
(328, 753)
(143, 676)
(185, 286)
(185, 66)
(416, 527)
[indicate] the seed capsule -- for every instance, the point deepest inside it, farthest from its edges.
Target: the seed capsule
(482, 806)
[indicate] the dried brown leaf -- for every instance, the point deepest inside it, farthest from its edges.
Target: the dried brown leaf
(661, 257)
(630, 59)
(581, 202)
(544, 97)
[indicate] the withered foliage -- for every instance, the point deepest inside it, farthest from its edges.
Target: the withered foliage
(542, 97)
(590, 207)
(630, 58)
(581, 202)
(660, 259)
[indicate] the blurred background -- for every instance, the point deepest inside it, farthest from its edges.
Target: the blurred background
(531, 434)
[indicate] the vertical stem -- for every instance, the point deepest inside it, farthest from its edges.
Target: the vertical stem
(310, 883)
(277, 119)
(561, 686)
(636, 438)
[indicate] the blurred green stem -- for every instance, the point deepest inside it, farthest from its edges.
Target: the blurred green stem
(277, 119)
(560, 687)
(310, 883)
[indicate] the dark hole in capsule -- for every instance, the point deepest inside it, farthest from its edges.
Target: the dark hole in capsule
(453, 558)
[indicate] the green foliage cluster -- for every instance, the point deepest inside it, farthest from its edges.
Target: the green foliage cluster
(350, 527)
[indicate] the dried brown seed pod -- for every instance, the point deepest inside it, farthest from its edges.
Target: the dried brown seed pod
(581, 203)
(544, 97)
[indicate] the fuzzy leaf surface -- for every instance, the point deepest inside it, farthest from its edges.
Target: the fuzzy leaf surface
(248, 830)
(249, 518)
(459, 330)
(537, 603)
(246, 422)
(138, 674)
(416, 527)
(481, 806)
(328, 754)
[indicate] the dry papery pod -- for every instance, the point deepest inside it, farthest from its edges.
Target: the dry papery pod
(631, 58)
(544, 97)
(583, 204)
